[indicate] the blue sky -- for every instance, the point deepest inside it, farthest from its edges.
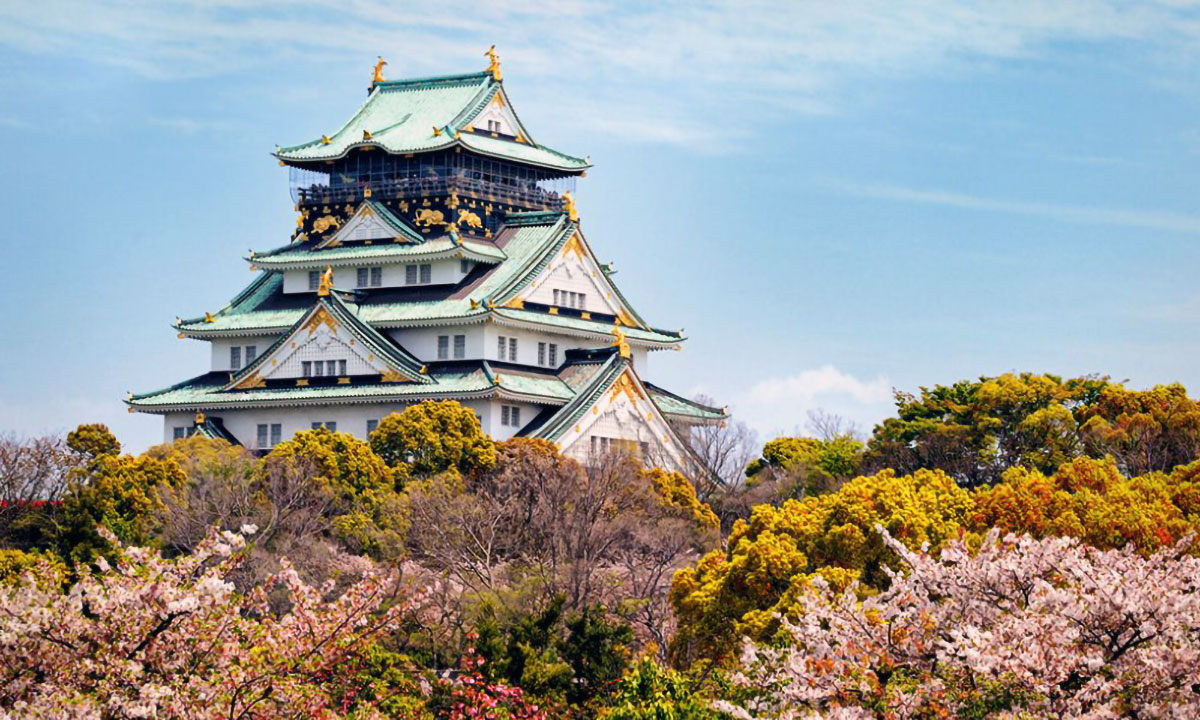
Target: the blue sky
(834, 199)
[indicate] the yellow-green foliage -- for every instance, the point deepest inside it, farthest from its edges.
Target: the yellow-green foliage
(47, 568)
(431, 438)
(677, 492)
(735, 591)
(370, 515)
(94, 440)
(1091, 500)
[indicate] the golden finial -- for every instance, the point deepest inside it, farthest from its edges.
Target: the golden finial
(436, 131)
(496, 379)
(199, 418)
(424, 369)
(366, 134)
(569, 205)
(493, 62)
(208, 317)
(326, 282)
(378, 70)
(366, 193)
(619, 342)
(325, 140)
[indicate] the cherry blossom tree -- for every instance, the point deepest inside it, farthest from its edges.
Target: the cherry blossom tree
(1043, 628)
(156, 637)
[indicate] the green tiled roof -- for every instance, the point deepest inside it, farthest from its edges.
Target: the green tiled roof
(401, 116)
(306, 255)
(680, 407)
(528, 241)
(586, 394)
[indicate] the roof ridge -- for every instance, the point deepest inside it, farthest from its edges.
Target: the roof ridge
(432, 79)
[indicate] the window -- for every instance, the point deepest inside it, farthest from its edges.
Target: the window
(582, 301)
(502, 348)
(512, 349)
(443, 352)
(460, 347)
(426, 274)
(371, 425)
(306, 368)
(318, 369)
(510, 416)
(410, 274)
(553, 355)
(341, 367)
(331, 367)
(504, 415)
(376, 277)
(556, 294)
(464, 266)
(251, 353)
(493, 126)
(235, 358)
(362, 278)
(330, 426)
(269, 435)
(180, 433)
(541, 353)
(314, 279)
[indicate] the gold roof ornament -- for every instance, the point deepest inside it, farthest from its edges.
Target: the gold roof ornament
(379, 63)
(208, 317)
(493, 62)
(325, 140)
(569, 206)
(366, 134)
(436, 131)
(620, 343)
(326, 282)
(496, 378)
(199, 418)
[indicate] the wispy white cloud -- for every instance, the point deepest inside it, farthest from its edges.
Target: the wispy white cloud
(781, 404)
(189, 125)
(729, 64)
(1146, 220)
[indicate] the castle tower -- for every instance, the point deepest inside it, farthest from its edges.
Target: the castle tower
(437, 254)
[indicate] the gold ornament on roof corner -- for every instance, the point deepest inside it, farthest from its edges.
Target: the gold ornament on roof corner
(378, 78)
(325, 140)
(366, 134)
(208, 317)
(493, 62)
(620, 343)
(326, 282)
(199, 418)
(569, 206)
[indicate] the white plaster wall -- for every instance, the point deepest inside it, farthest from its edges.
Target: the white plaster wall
(527, 343)
(422, 342)
(220, 349)
(349, 418)
(442, 272)
(572, 274)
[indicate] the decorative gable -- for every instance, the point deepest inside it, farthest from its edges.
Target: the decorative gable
(625, 418)
(367, 223)
(342, 349)
(574, 279)
(497, 117)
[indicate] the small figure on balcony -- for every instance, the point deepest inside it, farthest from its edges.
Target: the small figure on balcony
(379, 70)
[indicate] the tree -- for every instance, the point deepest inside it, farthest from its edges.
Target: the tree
(1023, 627)
(176, 640)
(769, 558)
(34, 474)
(1144, 431)
(431, 438)
(649, 691)
(93, 441)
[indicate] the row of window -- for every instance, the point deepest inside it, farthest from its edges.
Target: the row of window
(607, 445)
(370, 277)
(548, 354)
(506, 349)
(235, 356)
(567, 298)
(373, 277)
(322, 368)
(510, 416)
(443, 347)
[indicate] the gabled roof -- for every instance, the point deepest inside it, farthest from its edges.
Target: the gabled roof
(378, 222)
(680, 408)
(427, 114)
(330, 310)
(529, 241)
(309, 255)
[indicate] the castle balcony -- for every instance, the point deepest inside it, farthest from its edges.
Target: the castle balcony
(533, 197)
